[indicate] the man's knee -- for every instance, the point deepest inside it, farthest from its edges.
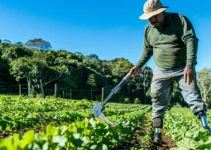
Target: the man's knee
(158, 122)
(154, 94)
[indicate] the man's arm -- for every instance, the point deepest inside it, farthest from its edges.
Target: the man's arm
(189, 38)
(145, 56)
(147, 51)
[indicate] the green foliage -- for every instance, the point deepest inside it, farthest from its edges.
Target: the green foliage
(38, 44)
(120, 67)
(5, 41)
(91, 80)
(187, 130)
(92, 56)
(70, 124)
(137, 101)
(11, 52)
(177, 96)
(21, 68)
(204, 83)
(127, 100)
(77, 127)
(98, 98)
(67, 70)
(148, 93)
(68, 82)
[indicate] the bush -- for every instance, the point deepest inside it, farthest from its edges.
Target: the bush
(137, 101)
(126, 100)
(38, 96)
(98, 98)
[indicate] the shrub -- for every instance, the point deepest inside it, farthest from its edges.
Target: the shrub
(126, 100)
(137, 101)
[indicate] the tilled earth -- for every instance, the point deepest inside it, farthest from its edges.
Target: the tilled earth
(138, 141)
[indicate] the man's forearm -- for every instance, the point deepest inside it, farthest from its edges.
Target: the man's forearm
(192, 46)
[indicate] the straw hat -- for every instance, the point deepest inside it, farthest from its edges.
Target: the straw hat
(151, 8)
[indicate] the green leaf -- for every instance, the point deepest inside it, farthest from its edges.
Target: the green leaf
(61, 140)
(27, 139)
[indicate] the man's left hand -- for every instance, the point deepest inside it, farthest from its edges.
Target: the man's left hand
(188, 75)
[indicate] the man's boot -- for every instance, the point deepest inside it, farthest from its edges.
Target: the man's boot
(158, 124)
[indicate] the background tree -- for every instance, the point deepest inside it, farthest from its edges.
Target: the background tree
(204, 82)
(177, 96)
(92, 56)
(81, 74)
(146, 77)
(38, 44)
(19, 43)
(140, 85)
(79, 54)
(92, 82)
(120, 67)
(7, 41)
(21, 68)
(11, 52)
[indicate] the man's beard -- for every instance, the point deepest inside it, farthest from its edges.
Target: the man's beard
(156, 24)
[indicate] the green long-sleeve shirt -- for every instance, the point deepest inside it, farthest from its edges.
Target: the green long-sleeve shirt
(172, 45)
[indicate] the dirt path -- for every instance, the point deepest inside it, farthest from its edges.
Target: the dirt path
(4, 133)
(143, 138)
(167, 143)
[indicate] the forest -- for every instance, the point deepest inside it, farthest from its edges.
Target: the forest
(35, 69)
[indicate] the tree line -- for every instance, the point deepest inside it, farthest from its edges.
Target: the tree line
(38, 68)
(37, 65)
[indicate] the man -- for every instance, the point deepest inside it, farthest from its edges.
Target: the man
(171, 39)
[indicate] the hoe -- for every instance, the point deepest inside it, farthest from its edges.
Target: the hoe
(98, 108)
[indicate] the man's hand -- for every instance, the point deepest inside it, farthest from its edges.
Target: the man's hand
(133, 72)
(188, 75)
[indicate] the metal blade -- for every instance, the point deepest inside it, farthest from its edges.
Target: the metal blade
(103, 118)
(97, 109)
(99, 115)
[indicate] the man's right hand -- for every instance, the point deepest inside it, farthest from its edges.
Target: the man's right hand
(133, 72)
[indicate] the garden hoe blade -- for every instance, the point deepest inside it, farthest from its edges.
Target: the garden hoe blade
(98, 108)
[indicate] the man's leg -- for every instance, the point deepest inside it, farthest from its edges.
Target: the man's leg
(192, 97)
(161, 95)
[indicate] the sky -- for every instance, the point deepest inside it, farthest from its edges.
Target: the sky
(108, 28)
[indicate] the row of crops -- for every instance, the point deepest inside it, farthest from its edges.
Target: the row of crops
(186, 129)
(57, 124)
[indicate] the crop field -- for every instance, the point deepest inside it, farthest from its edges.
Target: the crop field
(60, 124)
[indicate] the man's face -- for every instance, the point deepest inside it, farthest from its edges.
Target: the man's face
(157, 20)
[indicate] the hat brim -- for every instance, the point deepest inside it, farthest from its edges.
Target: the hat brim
(146, 16)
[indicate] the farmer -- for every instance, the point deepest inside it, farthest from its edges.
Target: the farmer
(171, 39)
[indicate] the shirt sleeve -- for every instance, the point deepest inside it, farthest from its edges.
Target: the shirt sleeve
(147, 51)
(189, 38)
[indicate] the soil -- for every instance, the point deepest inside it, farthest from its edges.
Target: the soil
(137, 141)
(167, 143)
(4, 134)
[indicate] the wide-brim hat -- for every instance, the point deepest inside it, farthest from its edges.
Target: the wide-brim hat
(152, 8)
